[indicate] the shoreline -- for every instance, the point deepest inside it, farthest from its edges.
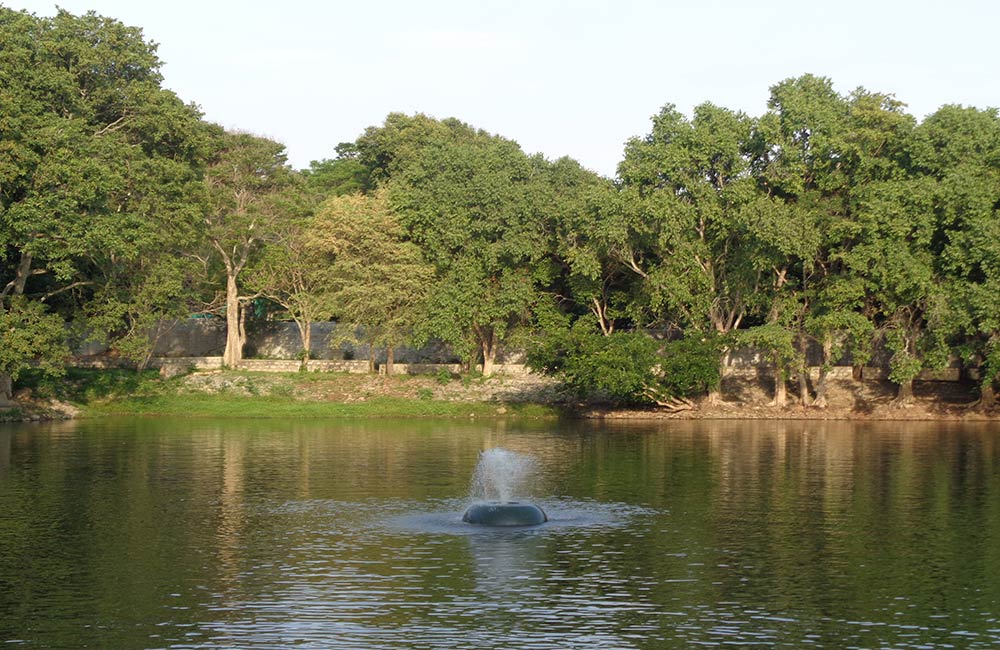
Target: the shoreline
(243, 394)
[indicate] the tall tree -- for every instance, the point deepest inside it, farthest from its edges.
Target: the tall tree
(685, 226)
(582, 230)
(895, 260)
(958, 149)
(250, 190)
(797, 164)
(98, 159)
(820, 154)
(344, 174)
(295, 275)
(377, 279)
(465, 197)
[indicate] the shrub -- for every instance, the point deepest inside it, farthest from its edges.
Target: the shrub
(626, 367)
(690, 366)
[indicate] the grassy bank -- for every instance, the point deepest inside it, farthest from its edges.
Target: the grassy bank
(276, 407)
(229, 394)
(96, 393)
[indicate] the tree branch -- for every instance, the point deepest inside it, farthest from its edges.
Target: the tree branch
(113, 126)
(66, 288)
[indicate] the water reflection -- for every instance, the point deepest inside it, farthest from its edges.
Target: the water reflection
(160, 533)
(6, 439)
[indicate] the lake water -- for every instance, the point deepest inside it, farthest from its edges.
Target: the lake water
(167, 533)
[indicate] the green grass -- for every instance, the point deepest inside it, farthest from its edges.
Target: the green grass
(194, 405)
(11, 414)
(83, 385)
(125, 392)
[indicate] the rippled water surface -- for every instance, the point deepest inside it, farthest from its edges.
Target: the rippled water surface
(256, 534)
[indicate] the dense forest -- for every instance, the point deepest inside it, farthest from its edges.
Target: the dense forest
(834, 221)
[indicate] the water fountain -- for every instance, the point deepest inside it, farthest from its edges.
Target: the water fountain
(496, 483)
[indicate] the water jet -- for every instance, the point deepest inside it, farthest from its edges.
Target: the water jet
(499, 475)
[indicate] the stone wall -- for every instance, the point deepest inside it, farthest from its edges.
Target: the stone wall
(281, 340)
(314, 365)
(275, 346)
(170, 366)
(194, 337)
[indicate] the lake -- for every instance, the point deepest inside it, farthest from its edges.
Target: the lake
(189, 533)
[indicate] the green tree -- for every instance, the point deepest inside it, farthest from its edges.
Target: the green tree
(295, 275)
(624, 367)
(820, 154)
(686, 226)
(589, 278)
(466, 198)
(796, 161)
(814, 148)
(30, 337)
(97, 160)
(377, 279)
(958, 150)
(344, 174)
(251, 192)
(894, 258)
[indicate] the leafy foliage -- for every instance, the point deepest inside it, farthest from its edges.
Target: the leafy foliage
(31, 338)
(99, 176)
(625, 367)
(374, 277)
(619, 367)
(690, 366)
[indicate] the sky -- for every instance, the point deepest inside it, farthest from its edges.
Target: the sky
(564, 78)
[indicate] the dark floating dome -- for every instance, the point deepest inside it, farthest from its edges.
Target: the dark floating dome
(509, 513)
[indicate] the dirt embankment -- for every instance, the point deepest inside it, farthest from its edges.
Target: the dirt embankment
(25, 407)
(847, 399)
(743, 397)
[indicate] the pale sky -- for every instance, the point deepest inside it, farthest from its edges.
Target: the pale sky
(559, 77)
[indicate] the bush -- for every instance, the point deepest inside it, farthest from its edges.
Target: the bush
(625, 367)
(619, 367)
(690, 366)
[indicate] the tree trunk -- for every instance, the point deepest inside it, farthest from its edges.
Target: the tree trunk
(305, 335)
(988, 396)
(17, 285)
(306, 344)
(6, 388)
(905, 393)
(824, 377)
(715, 395)
(600, 309)
(371, 356)
(804, 397)
(233, 354)
(824, 373)
(154, 338)
(243, 329)
(23, 270)
(390, 359)
(780, 389)
(488, 343)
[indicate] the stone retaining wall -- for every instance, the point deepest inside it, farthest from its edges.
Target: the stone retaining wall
(294, 365)
(170, 366)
